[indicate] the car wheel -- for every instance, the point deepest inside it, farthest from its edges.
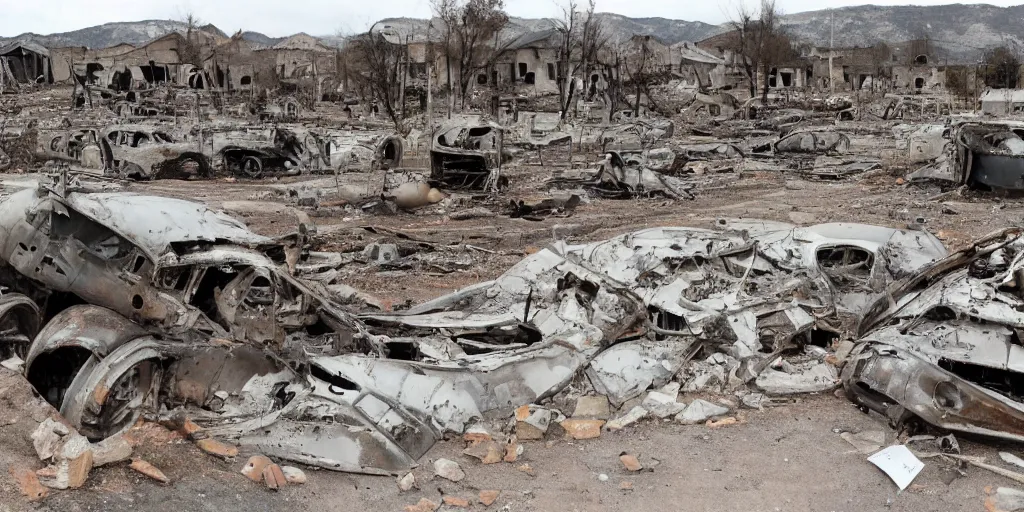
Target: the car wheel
(252, 167)
(130, 171)
(110, 395)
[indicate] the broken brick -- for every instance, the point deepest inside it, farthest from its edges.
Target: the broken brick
(630, 462)
(253, 469)
(149, 470)
(273, 477)
(487, 452)
(582, 429)
(724, 422)
(512, 452)
(455, 501)
(424, 505)
(488, 497)
(217, 448)
(28, 484)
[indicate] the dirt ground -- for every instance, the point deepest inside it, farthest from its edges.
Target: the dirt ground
(787, 458)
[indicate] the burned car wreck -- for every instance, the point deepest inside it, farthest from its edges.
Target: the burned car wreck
(949, 350)
(980, 154)
(149, 152)
(183, 310)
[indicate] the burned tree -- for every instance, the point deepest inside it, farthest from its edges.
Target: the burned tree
(374, 66)
(1001, 68)
(191, 52)
(469, 29)
(641, 67)
(582, 37)
(881, 59)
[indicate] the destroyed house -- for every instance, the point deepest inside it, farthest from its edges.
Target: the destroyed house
(234, 66)
(696, 67)
(529, 61)
(915, 66)
(125, 67)
(300, 56)
(999, 102)
(24, 63)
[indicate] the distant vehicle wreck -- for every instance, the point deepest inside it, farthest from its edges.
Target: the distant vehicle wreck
(981, 154)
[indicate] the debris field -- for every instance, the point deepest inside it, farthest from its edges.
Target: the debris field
(509, 313)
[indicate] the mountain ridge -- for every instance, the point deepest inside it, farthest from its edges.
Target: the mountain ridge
(959, 31)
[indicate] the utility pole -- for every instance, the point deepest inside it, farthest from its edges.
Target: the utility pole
(405, 73)
(831, 45)
(430, 101)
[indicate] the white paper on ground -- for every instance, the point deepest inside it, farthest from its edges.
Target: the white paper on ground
(897, 462)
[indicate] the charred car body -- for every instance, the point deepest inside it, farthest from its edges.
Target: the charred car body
(985, 154)
(150, 152)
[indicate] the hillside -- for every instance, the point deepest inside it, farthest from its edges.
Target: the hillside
(960, 31)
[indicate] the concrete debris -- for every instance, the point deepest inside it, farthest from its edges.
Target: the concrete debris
(662, 405)
(407, 482)
(149, 470)
(724, 422)
(699, 411)
(1010, 458)
(477, 434)
(455, 501)
(217, 448)
(513, 451)
(46, 439)
(592, 407)
(448, 469)
(111, 450)
(28, 484)
(532, 422)
(1004, 499)
(70, 462)
(293, 475)
(634, 415)
(753, 400)
(867, 442)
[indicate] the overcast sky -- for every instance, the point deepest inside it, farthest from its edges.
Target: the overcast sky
(321, 17)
